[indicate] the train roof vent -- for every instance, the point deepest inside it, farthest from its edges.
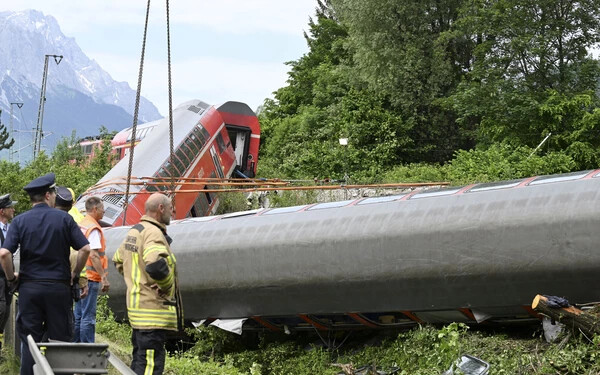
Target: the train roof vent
(388, 198)
(323, 206)
(559, 178)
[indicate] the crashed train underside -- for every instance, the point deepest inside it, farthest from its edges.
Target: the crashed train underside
(475, 253)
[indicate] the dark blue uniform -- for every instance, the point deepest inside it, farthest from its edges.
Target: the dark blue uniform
(45, 235)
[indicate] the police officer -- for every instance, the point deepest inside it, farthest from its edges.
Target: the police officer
(7, 212)
(44, 235)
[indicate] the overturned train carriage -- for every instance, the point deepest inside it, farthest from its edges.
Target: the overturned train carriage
(474, 253)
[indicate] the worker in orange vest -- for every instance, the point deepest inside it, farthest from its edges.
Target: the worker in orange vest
(96, 272)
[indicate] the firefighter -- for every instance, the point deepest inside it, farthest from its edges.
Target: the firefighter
(45, 235)
(153, 302)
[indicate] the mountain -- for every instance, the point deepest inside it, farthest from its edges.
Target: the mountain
(80, 95)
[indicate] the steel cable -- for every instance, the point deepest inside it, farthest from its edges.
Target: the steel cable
(135, 116)
(171, 148)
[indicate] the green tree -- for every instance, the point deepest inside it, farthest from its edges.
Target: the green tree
(326, 100)
(5, 141)
(410, 52)
(531, 73)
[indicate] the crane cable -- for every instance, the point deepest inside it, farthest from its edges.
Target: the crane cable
(135, 115)
(171, 158)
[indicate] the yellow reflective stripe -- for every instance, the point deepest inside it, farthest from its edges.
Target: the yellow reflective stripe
(150, 325)
(82, 273)
(153, 322)
(149, 362)
(166, 282)
(144, 312)
(153, 249)
(153, 318)
(135, 278)
(147, 311)
(117, 257)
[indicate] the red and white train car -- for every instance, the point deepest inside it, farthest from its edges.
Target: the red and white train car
(209, 142)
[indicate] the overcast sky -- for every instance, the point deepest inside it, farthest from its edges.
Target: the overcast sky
(220, 50)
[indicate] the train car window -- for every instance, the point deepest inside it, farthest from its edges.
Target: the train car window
(164, 172)
(179, 167)
(284, 210)
(200, 138)
(558, 178)
(323, 206)
(597, 175)
(434, 193)
(195, 137)
(205, 133)
(167, 167)
(495, 186)
(187, 152)
(182, 155)
(192, 145)
(221, 143)
(389, 198)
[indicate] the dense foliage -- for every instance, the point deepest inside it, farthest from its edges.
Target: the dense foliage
(72, 169)
(439, 83)
(421, 350)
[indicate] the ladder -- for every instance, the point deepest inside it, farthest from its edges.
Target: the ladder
(57, 357)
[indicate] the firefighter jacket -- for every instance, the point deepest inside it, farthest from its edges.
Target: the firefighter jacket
(87, 225)
(145, 260)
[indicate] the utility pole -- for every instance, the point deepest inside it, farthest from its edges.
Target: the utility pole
(12, 130)
(37, 143)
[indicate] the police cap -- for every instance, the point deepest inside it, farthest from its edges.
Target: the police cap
(64, 197)
(6, 202)
(41, 184)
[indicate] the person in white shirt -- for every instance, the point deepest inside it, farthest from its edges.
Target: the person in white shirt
(96, 271)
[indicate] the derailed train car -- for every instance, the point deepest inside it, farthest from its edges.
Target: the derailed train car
(474, 253)
(209, 142)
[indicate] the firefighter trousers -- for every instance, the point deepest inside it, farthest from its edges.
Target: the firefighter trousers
(148, 351)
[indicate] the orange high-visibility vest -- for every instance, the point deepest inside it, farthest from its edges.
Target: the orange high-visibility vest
(87, 225)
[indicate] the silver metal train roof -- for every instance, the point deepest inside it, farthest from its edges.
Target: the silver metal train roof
(491, 247)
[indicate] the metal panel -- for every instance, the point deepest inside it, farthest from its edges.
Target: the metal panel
(487, 250)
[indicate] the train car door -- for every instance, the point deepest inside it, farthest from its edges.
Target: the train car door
(217, 162)
(240, 141)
